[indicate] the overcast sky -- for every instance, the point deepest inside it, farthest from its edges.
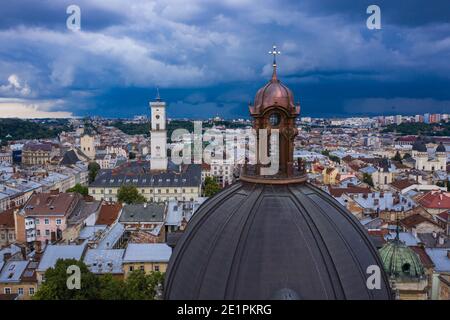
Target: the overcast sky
(209, 57)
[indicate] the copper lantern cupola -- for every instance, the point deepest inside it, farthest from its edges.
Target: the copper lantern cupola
(274, 108)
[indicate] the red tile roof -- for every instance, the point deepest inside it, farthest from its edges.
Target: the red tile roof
(402, 184)
(7, 219)
(337, 192)
(108, 213)
(414, 220)
(407, 138)
(424, 257)
(51, 204)
(435, 200)
(444, 215)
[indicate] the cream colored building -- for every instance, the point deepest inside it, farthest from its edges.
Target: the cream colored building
(148, 257)
(87, 145)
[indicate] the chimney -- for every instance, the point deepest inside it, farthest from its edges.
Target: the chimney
(441, 239)
(37, 246)
(6, 256)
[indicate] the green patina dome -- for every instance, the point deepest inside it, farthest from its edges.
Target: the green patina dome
(400, 261)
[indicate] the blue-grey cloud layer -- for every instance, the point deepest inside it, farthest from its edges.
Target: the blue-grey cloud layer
(210, 57)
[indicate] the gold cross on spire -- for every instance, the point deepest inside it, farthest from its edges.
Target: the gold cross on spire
(274, 52)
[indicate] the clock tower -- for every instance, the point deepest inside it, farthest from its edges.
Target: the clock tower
(158, 134)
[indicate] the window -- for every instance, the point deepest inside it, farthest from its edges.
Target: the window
(156, 268)
(20, 291)
(131, 268)
(142, 268)
(46, 221)
(7, 291)
(3, 236)
(47, 232)
(58, 221)
(37, 221)
(274, 119)
(31, 291)
(38, 232)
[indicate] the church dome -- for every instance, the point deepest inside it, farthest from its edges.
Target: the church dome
(441, 148)
(419, 146)
(400, 261)
(274, 236)
(274, 93)
(262, 241)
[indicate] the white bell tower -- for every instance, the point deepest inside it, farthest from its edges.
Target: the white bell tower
(158, 135)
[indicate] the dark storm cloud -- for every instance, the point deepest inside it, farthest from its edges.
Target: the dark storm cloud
(394, 12)
(52, 14)
(210, 57)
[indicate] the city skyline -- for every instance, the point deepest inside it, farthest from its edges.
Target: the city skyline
(208, 60)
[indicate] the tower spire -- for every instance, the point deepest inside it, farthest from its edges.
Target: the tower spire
(274, 52)
(158, 98)
(397, 229)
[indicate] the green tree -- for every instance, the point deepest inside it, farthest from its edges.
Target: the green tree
(211, 187)
(141, 286)
(335, 158)
(80, 189)
(397, 157)
(138, 285)
(326, 153)
(55, 285)
(367, 178)
(111, 288)
(130, 195)
(93, 168)
(441, 184)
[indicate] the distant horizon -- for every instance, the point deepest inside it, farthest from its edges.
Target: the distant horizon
(131, 117)
(212, 58)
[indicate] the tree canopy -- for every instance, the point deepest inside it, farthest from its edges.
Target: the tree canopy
(79, 189)
(138, 285)
(130, 195)
(367, 178)
(55, 285)
(397, 157)
(13, 129)
(93, 168)
(211, 187)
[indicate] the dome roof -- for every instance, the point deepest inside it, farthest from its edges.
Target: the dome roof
(400, 261)
(274, 93)
(441, 148)
(419, 145)
(273, 241)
